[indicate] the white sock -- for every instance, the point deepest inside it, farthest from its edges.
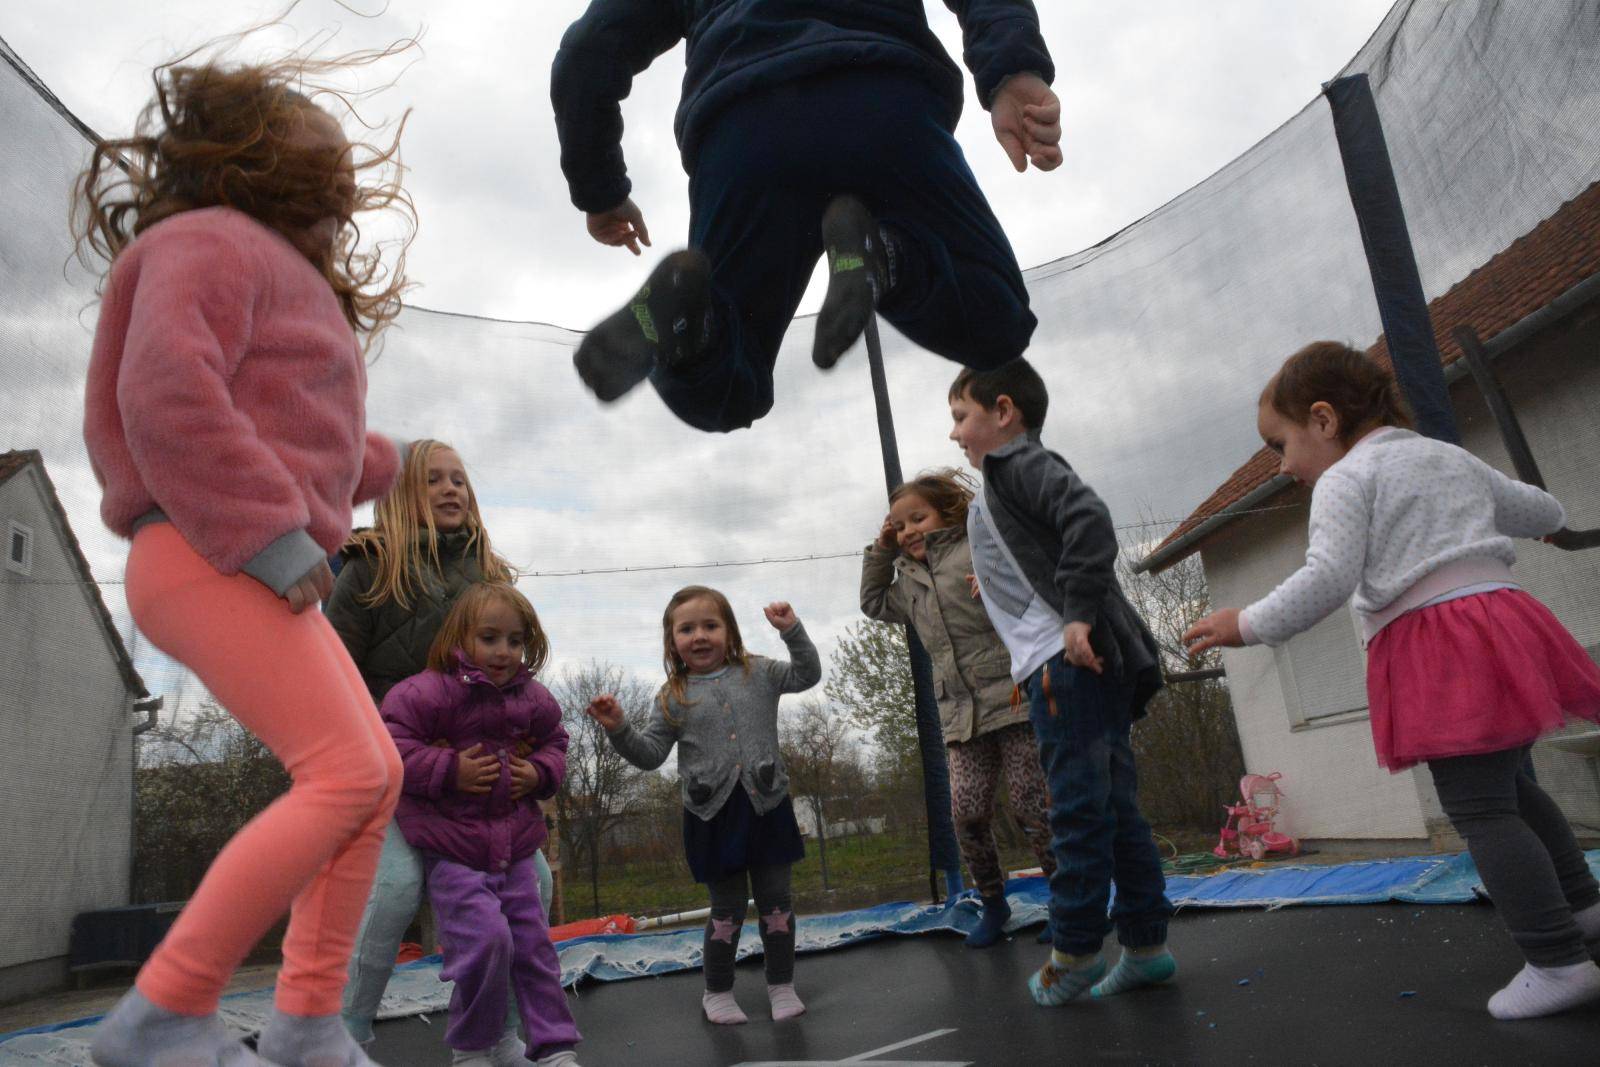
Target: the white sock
(137, 1033)
(1537, 991)
(309, 1041)
(1588, 921)
(722, 1009)
(474, 1057)
(785, 1001)
(509, 1051)
(564, 1058)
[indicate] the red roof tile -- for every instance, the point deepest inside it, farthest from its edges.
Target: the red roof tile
(1533, 270)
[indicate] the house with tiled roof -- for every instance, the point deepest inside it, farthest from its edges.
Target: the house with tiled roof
(1301, 708)
(71, 702)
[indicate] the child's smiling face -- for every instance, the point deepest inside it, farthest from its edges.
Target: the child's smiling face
(912, 518)
(699, 635)
(448, 490)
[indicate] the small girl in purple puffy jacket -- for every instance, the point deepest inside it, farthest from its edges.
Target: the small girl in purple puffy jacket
(482, 742)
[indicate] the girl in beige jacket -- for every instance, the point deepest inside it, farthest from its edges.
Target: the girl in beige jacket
(918, 572)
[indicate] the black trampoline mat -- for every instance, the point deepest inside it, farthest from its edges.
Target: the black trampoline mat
(1370, 984)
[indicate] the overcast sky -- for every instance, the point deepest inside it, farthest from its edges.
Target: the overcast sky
(1157, 96)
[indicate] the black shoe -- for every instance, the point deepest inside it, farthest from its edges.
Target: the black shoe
(858, 274)
(667, 324)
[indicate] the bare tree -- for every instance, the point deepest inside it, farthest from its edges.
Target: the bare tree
(1189, 743)
(601, 788)
(817, 749)
(870, 682)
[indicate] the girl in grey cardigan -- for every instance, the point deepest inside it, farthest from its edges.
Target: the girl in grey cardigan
(720, 707)
(918, 572)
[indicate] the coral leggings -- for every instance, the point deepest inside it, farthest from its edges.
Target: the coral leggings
(288, 679)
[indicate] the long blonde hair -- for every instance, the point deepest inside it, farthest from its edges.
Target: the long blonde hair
(403, 539)
(219, 134)
(677, 684)
(464, 615)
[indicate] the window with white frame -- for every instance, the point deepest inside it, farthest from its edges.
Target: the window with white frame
(1324, 673)
(19, 547)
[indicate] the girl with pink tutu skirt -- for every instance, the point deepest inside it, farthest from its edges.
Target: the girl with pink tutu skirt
(1464, 669)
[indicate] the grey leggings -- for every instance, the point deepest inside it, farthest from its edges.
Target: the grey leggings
(770, 888)
(1524, 850)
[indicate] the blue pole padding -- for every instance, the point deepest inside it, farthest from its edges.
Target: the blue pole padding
(1402, 305)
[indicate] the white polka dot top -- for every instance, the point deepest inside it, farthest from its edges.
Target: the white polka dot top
(1397, 507)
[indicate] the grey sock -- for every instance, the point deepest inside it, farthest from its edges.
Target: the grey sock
(138, 1033)
(309, 1041)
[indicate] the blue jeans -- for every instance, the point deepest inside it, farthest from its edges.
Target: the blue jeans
(1081, 721)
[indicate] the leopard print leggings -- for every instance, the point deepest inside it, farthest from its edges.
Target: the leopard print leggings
(975, 769)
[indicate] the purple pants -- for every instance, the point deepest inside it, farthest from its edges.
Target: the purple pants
(496, 938)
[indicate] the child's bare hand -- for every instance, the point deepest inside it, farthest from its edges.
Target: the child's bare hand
(972, 584)
(887, 538)
(623, 225)
(1078, 651)
(314, 586)
(1220, 628)
(522, 749)
(780, 615)
(1026, 115)
(605, 710)
(476, 770)
(524, 777)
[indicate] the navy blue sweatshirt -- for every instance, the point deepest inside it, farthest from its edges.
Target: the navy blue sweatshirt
(738, 46)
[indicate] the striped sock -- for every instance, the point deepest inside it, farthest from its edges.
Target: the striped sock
(722, 1009)
(1136, 968)
(785, 1001)
(1065, 977)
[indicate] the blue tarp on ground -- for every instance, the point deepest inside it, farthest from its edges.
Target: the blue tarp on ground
(416, 987)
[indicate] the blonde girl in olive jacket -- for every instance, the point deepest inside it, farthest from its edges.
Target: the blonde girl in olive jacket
(918, 572)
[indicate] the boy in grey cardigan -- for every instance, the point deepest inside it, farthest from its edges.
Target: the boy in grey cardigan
(1043, 553)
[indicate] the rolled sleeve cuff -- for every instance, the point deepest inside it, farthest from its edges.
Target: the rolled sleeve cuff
(285, 561)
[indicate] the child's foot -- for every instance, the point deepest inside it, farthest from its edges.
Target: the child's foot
(1537, 991)
(561, 1058)
(137, 1033)
(1137, 967)
(992, 923)
(309, 1041)
(722, 1009)
(667, 324)
(1064, 977)
(469, 1057)
(858, 275)
(509, 1051)
(785, 1002)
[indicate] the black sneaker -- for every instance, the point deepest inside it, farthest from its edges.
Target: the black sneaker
(858, 275)
(667, 324)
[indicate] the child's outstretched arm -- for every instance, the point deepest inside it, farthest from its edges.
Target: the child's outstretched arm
(1338, 544)
(645, 748)
(881, 596)
(600, 54)
(804, 668)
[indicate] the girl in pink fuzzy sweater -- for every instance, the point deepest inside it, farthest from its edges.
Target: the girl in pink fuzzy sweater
(224, 420)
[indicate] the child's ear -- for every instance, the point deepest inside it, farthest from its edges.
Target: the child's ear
(1005, 410)
(1324, 419)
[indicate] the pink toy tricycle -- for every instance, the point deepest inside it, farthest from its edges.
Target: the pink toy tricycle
(1248, 831)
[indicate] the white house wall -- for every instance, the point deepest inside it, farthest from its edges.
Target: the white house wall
(1333, 786)
(65, 746)
(1554, 388)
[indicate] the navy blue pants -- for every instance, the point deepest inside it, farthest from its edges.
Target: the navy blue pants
(1099, 836)
(764, 170)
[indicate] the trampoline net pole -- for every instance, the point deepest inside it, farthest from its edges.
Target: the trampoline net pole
(943, 855)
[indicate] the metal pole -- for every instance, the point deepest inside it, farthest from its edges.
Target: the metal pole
(1402, 306)
(943, 854)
